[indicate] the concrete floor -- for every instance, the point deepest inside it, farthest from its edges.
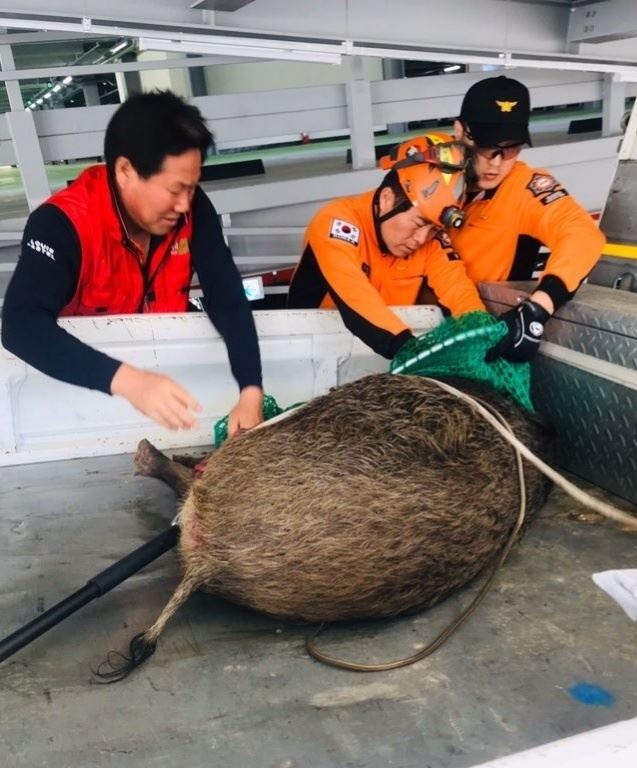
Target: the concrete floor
(228, 687)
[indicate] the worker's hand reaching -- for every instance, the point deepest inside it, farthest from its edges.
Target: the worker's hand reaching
(248, 412)
(526, 325)
(156, 396)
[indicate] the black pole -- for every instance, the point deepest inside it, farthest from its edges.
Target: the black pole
(96, 587)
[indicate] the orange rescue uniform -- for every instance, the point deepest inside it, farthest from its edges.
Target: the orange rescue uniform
(343, 266)
(505, 227)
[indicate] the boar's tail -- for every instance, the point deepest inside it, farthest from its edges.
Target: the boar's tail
(117, 665)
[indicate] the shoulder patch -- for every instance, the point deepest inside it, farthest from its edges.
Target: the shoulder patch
(555, 195)
(544, 186)
(343, 230)
(541, 183)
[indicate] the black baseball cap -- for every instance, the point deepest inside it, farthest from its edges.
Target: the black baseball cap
(497, 110)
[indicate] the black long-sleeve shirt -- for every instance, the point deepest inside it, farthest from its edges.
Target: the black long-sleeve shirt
(45, 280)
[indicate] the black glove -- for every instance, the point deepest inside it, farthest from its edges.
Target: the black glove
(526, 326)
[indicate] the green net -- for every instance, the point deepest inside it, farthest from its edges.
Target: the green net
(457, 348)
(454, 348)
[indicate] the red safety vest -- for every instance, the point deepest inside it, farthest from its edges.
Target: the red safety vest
(112, 279)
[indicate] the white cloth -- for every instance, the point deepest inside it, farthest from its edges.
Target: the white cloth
(622, 587)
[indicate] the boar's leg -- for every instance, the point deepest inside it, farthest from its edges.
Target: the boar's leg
(153, 463)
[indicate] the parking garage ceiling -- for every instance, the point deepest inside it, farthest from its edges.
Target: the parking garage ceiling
(540, 27)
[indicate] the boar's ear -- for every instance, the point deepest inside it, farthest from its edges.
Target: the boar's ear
(118, 666)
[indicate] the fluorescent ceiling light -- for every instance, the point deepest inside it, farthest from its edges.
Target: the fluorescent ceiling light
(68, 79)
(39, 101)
(254, 49)
(119, 47)
(452, 68)
(57, 87)
(47, 95)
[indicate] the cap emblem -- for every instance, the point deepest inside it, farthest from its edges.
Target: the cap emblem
(506, 106)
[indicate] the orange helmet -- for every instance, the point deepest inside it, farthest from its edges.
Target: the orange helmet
(434, 181)
(414, 146)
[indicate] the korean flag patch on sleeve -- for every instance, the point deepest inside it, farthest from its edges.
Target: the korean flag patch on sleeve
(343, 230)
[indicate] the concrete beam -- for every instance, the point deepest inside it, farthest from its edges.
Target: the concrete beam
(20, 38)
(613, 105)
(359, 116)
(28, 156)
(114, 66)
(13, 88)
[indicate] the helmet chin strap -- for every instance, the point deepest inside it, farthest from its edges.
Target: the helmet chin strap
(406, 205)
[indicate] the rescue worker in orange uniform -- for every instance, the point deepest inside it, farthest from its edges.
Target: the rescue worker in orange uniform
(364, 253)
(512, 209)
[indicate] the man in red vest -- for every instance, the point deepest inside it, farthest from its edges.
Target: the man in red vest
(125, 237)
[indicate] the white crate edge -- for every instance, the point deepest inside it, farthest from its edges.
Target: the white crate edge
(304, 353)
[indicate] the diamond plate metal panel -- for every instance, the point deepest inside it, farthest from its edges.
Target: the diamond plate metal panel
(596, 424)
(603, 345)
(595, 418)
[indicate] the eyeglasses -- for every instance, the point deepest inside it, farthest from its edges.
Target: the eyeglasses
(506, 153)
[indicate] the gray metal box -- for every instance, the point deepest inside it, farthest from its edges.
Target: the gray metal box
(585, 381)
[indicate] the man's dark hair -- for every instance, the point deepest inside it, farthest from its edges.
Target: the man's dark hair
(392, 181)
(149, 126)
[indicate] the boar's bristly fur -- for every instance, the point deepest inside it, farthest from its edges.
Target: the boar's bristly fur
(380, 498)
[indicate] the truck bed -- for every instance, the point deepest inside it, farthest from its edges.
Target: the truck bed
(229, 687)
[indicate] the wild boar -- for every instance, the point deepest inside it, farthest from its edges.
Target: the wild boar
(380, 498)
